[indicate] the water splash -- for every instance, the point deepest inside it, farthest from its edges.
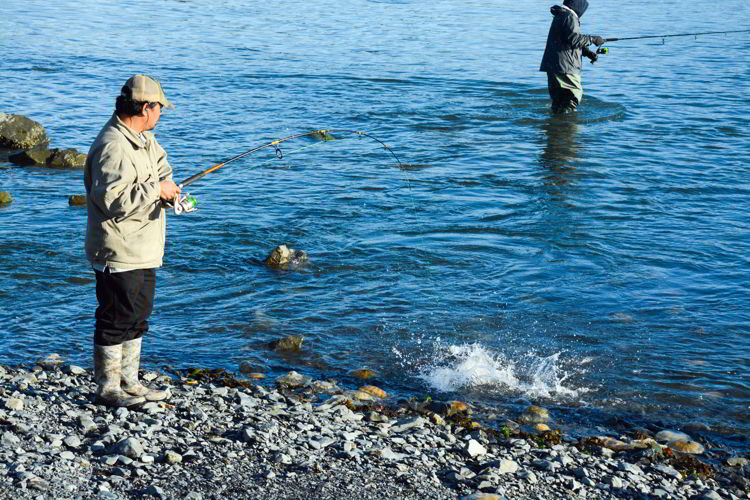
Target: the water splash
(474, 368)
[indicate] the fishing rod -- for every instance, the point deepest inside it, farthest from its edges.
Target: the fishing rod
(674, 35)
(594, 56)
(187, 203)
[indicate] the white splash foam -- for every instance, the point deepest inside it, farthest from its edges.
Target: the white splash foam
(473, 367)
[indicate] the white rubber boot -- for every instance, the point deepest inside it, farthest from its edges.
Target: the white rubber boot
(131, 360)
(107, 369)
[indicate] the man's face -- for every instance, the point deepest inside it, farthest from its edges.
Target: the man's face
(152, 116)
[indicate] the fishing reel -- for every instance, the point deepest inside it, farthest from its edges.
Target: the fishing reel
(594, 56)
(185, 204)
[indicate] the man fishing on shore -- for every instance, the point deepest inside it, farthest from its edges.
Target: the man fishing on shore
(562, 55)
(127, 179)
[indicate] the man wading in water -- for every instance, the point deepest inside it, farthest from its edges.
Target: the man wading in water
(562, 55)
(127, 179)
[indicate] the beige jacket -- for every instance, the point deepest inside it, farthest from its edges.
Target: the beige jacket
(126, 221)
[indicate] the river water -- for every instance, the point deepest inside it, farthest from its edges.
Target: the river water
(595, 264)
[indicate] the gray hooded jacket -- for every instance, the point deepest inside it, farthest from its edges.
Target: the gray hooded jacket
(565, 41)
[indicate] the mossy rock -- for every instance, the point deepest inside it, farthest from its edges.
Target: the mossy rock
(5, 198)
(77, 200)
(66, 158)
(364, 373)
(55, 158)
(19, 132)
(292, 343)
(36, 156)
(535, 415)
(282, 257)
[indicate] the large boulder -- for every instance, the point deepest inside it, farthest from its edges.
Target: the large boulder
(55, 158)
(19, 132)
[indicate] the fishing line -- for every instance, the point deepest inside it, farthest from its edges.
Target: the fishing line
(263, 164)
(324, 133)
(187, 203)
(675, 35)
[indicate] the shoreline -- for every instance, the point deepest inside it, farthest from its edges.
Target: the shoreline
(222, 437)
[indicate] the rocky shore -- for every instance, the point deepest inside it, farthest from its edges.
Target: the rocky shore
(220, 437)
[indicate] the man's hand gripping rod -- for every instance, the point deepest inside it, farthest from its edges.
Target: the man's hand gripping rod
(185, 204)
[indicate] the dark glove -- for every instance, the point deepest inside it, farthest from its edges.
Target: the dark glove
(597, 40)
(590, 54)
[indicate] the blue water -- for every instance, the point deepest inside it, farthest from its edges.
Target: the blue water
(596, 264)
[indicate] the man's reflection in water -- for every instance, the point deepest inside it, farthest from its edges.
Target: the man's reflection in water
(560, 151)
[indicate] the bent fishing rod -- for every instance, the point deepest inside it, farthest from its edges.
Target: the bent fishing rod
(187, 203)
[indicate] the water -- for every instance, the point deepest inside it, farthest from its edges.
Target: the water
(597, 265)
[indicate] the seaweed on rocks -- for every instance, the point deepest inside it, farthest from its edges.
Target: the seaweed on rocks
(217, 376)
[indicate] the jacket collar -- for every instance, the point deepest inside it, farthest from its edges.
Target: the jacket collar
(128, 132)
(569, 9)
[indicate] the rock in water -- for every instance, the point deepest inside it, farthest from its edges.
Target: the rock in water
(282, 257)
(55, 158)
(36, 156)
(66, 158)
(291, 343)
(535, 415)
(77, 200)
(686, 446)
(5, 198)
(19, 132)
(364, 373)
(374, 391)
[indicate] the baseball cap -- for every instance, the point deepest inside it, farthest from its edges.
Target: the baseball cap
(146, 89)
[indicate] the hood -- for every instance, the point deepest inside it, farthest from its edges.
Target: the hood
(577, 6)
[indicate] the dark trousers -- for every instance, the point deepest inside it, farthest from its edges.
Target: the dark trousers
(562, 99)
(125, 303)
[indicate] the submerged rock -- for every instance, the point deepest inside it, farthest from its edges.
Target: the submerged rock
(686, 446)
(292, 343)
(282, 257)
(35, 156)
(5, 198)
(364, 373)
(535, 415)
(19, 132)
(54, 158)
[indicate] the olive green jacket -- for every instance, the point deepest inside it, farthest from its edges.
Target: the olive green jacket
(126, 220)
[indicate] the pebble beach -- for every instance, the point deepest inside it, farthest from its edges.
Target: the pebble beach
(221, 437)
